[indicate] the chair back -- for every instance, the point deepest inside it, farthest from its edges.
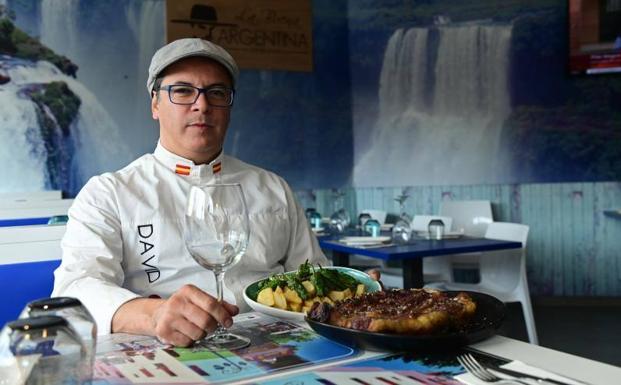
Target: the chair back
(504, 268)
(28, 257)
(7, 197)
(378, 215)
(469, 217)
(421, 222)
(33, 212)
(21, 283)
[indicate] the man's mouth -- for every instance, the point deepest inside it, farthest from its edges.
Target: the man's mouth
(199, 124)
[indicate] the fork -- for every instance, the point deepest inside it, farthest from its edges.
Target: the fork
(473, 367)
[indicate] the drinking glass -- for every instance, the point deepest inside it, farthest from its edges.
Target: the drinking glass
(436, 229)
(315, 220)
(216, 234)
(372, 227)
(402, 231)
(339, 221)
(47, 350)
(362, 219)
(78, 317)
(309, 211)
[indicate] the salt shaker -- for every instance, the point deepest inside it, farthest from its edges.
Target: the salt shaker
(372, 227)
(309, 211)
(315, 220)
(49, 347)
(77, 316)
(436, 229)
(362, 219)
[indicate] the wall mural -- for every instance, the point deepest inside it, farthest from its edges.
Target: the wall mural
(74, 104)
(425, 92)
(476, 93)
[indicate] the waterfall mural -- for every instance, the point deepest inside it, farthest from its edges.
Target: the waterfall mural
(468, 93)
(55, 134)
(443, 98)
(109, 45)
(431, 92)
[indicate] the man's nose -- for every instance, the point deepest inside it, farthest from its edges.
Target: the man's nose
(201, 103)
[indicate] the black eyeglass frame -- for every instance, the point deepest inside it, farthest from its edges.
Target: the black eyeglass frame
(167, 88)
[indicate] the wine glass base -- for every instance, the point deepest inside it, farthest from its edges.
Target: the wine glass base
(224, 341)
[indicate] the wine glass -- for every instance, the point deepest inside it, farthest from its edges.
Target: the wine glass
(216, 235)
(401, 231)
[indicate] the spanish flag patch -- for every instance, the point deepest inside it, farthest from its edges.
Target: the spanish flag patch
(217, 167)
(182, 169)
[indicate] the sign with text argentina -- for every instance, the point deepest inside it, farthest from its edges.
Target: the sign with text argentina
(261, 34)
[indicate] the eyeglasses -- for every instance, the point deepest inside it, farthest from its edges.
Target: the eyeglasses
(217, 96)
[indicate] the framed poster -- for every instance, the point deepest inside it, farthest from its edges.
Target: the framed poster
(262, 34)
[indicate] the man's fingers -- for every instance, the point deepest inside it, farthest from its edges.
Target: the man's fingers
(209, 304)
(177, 339)
(188, 329)
(232, 309)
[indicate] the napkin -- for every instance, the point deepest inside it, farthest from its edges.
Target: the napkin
(518, 366)
(363, 241)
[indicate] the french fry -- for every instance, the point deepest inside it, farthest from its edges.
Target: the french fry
(336, 295)
(287, 295)
(360, 289)
(347, 293)
(279, 299)
(266, 297)
(310, 288)
(292, 296)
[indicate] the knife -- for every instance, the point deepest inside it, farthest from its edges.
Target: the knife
(520, 375)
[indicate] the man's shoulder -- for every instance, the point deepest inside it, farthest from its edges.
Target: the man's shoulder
(248, 170)
(122, 176)
(130, 171)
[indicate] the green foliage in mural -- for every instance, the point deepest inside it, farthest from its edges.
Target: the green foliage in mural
(16, 43)
(57, 108)
(61, 102)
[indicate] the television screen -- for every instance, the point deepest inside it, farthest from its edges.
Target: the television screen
(594, 36)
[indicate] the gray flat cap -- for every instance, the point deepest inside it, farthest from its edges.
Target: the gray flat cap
(182, 48)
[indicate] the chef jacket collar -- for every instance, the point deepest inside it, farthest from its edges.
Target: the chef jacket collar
(186, 168)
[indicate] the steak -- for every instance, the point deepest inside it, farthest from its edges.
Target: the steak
(411, 311)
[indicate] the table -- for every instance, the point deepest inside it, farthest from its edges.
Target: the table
(412, 254)
(588, 371)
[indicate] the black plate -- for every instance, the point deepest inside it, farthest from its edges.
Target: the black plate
(487, 319)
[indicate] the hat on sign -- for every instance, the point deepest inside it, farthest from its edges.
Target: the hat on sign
(183, 48)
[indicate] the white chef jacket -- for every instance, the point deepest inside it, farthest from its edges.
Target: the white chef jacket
(124, 237)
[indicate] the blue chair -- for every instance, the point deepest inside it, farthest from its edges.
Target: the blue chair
(34, 212)
(21, 283)
(24, 221)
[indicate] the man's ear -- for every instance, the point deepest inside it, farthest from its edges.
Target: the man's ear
(154, 106)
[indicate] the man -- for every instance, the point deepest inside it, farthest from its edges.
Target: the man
(123, 252)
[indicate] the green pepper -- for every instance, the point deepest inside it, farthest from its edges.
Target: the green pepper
(295, 284)
(304, 271)
(318, 281)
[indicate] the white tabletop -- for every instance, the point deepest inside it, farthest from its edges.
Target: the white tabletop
(588, 371)
(568, 365)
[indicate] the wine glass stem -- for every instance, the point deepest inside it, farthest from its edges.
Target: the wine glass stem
(219, 295)
(219, 284)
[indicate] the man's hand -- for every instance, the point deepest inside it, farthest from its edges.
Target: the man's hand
(188, 315)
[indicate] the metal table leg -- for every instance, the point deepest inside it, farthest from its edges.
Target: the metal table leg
(412, 273)
(340, 258)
